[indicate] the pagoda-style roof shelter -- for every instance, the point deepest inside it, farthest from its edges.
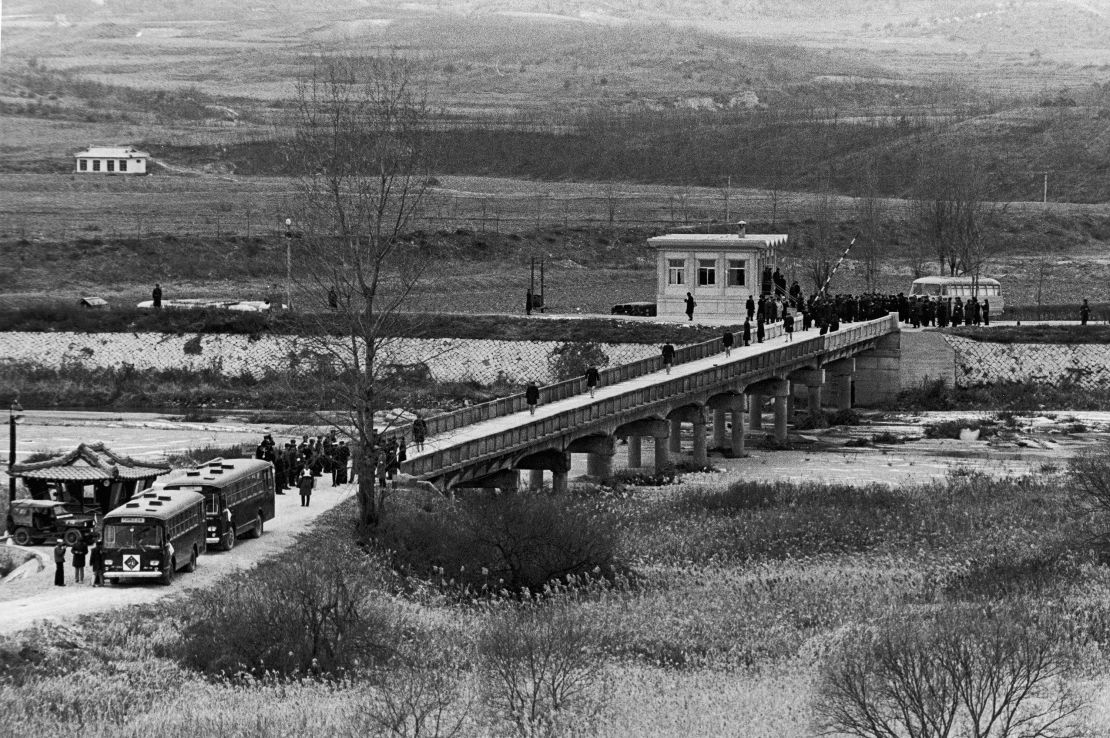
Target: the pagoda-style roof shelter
(91, 475)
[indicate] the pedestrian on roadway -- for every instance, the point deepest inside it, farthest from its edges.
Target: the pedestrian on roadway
(156, 296)
(79, 550)
(305, 485)
(986, 311)
(690, 305)
(532, 397)
(96, 559)
(726, 341)
(1084, 313)
(592, 375)
(60, 563)
(419, 432)
(668, 357)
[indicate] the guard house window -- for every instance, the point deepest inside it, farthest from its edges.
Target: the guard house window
(96, 165)
(83, 165)
(123, 165)
(736, 272)
(707, 272)
(676, 271)
(111, 165)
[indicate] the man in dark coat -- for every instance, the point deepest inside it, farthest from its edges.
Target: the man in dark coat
(668, 357)
(1084, 313)
(986, 311)
(419, 432)
(690, 305)
(60, 564)
(750, 307)
(156, 296)
(532, 397)
(760, 331)
(726, 341)
(305, 485)
(96, 560)
(788, 326)
(748, 330)
(592, 376)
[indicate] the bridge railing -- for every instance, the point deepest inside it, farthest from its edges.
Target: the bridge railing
(511, 404)
(602, 408)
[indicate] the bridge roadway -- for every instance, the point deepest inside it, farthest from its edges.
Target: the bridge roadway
(485, 446)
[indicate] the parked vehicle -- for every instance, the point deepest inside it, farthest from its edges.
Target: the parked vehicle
(238, 497)
(154, 535)
(949, 288)
(36, 521)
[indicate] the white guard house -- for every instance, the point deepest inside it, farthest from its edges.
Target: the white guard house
(720, 269)
(111, 160)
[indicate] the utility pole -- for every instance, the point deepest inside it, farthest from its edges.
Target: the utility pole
(12, 420)
(288, 263)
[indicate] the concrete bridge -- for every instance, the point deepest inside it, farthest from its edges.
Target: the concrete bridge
(717, 397)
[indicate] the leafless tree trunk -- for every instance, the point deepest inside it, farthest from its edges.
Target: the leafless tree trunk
(818, 251)
(870, 211)
(362, 157)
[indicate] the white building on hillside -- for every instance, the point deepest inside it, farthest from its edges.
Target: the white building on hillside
(111, 160)
(720, 270)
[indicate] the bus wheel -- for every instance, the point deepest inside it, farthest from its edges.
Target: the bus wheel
(112, 580)
(258, 527)
(192, 565)
(22, 537)
(229, 539)
(167, 575)
(72, 536)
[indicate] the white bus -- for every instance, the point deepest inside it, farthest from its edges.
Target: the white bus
(949, 288)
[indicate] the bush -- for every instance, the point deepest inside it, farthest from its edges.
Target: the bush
(953, 428)
(845, 417)
(519, 542)
(310, 613)
(543, 668)
(571, 360)
(985, 673)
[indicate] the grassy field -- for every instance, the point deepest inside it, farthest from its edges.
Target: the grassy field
(740, 594)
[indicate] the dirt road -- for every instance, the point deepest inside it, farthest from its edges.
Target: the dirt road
(34, 598)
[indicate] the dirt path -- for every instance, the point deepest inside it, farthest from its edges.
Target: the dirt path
(35, 598)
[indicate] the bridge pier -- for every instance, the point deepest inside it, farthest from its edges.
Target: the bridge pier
(557, 462)
(737, 412)
(719, 427)
(755, 409)
(842, 372)
(791, 400)
(599, 452)
(662, 454)
(535, 479)
(559, 482)
(701, 457)
(635, 448)
(674, 444)
(814, 380)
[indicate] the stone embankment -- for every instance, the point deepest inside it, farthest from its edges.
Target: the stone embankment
(448, 359)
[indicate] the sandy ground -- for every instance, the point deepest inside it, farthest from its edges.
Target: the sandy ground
(34, 597)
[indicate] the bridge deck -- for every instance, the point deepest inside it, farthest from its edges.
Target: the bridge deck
(460, 437)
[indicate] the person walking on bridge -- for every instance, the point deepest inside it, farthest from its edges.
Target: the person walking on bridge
(668, 357)
(750, 307)
(156, 296)
(419, 432)
(532, 397)
(690, 305)
(726, 341)
(592, 376)
(1084, 313)
(748, 330)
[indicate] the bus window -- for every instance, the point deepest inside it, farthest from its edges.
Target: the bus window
(133, 536)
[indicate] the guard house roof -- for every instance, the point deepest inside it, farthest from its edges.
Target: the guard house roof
(111, 152)
(718, 241)
(91, 462)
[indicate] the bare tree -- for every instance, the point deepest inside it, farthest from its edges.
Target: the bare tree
(967, 672)
(818, 251)
(870, 212)
(361, 154)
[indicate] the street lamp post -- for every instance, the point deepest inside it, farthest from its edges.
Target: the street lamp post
(288, 263)
(12, 420)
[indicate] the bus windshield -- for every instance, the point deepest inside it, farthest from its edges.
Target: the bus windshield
(132, 536)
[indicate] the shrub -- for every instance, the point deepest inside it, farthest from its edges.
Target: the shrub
(984, 673)
(571, 360)
(543, 668)
(487, 542)
(845, 417)
(193, 456)
(310, 613)
(952, 428)
(193, 346)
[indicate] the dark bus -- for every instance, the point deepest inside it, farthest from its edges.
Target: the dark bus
(238, 497)
(154, 535)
